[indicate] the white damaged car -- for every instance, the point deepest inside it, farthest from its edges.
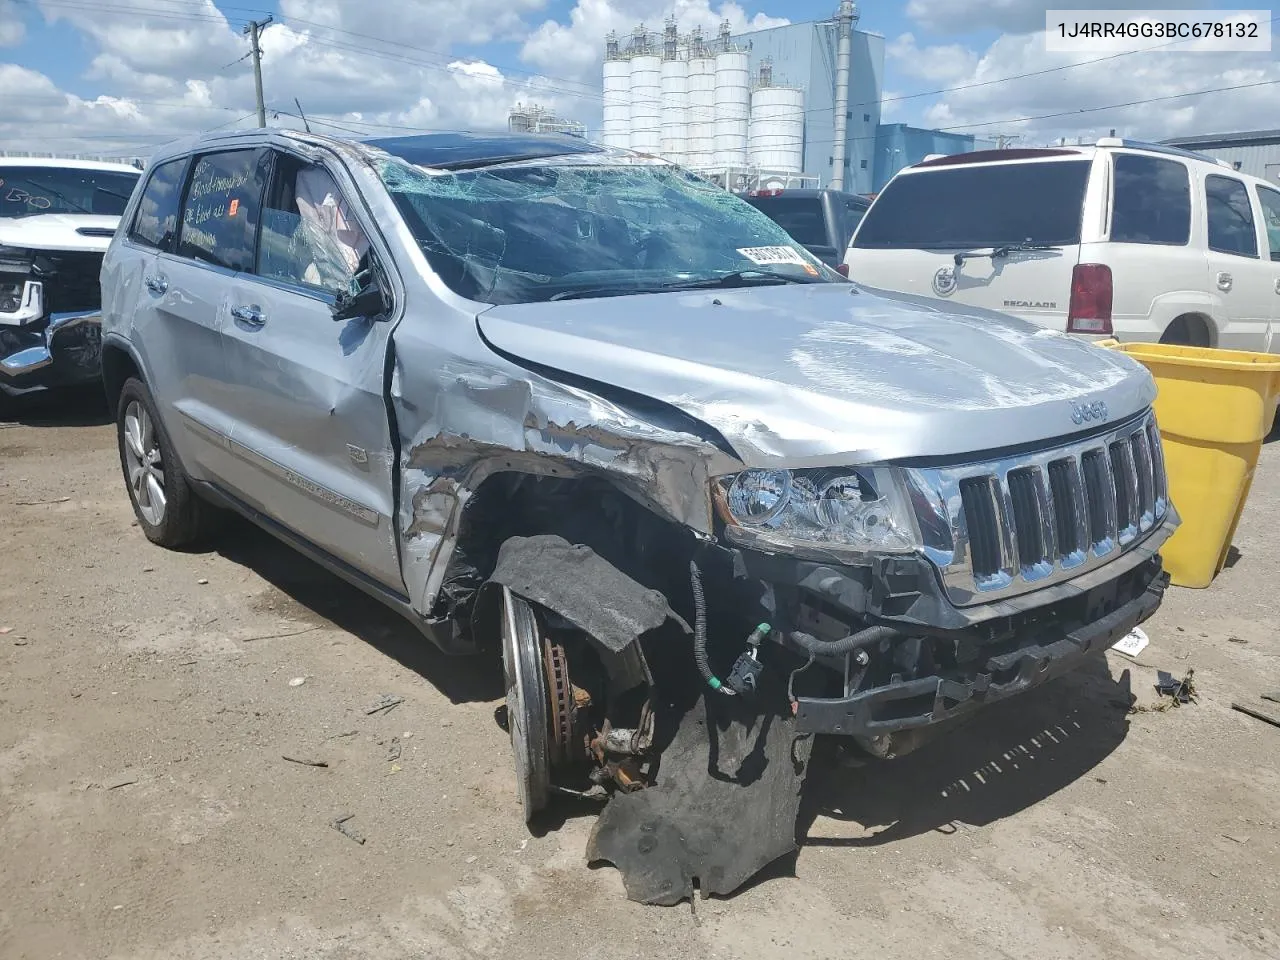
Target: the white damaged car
(56, 219)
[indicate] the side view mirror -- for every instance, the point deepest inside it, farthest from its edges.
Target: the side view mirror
(368, 301)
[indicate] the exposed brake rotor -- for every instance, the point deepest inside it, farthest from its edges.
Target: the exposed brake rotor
(560, 701)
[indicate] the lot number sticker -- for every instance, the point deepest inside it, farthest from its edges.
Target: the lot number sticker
(764, 256)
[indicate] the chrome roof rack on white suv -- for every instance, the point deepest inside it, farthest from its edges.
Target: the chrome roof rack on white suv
(1159, 148)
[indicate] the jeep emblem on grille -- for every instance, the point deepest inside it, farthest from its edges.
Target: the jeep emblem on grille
(944, 281)
(1085, 412)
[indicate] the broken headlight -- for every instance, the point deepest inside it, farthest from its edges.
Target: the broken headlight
(862, 508)
(21, 301)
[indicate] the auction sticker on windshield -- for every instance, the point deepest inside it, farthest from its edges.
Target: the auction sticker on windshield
(767, 256)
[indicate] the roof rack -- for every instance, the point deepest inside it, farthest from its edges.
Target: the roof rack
(1159, 148)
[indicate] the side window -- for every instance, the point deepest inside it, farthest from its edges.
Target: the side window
(1231, 227)
(1152, 200)
(220, 218)
(1270, 200)
(156, 222)
(309, 235)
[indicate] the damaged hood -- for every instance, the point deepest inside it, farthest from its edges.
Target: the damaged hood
(58, 231)
(821, 374)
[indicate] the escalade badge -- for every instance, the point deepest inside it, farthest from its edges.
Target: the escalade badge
(1085, 412)
(944, 282)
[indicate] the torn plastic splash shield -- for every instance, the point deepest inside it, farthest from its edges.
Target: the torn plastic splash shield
(724, 807)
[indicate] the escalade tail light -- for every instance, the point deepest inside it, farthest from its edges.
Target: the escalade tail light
(1090, 308)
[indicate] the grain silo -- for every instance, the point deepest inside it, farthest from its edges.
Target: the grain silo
(675, 98)
(733, 104)
(775, 139)
(702, 109)
(616, 129)
(646, 101)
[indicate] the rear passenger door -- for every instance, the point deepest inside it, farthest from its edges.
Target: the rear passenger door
(1241, 280)
(193, 280)
(1269, 204)
(311, 433)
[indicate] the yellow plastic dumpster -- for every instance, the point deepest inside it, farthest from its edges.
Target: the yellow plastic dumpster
(1214, 409)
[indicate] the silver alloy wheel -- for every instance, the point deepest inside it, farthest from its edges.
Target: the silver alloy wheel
(145, 465)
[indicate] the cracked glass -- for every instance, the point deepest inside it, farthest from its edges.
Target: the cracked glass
(549, 230)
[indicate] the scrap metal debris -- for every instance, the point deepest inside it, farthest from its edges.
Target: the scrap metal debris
(305, 763)
(1256, 714)
(1179, 691)
(384, 704)
(340, 824)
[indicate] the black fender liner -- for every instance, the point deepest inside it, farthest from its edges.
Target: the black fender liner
(575, 582)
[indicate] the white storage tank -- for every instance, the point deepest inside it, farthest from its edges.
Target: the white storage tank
(776, 138)
(616, 129)
(702, 113)
(675, 110)
(646, 99)
(733, 107)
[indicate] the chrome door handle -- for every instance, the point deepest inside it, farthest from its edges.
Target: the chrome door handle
(1224, 281)
(157, 284)
(1278, 285)
(252, 315)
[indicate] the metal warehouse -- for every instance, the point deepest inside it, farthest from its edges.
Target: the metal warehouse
(1256, 153)
(790, 106)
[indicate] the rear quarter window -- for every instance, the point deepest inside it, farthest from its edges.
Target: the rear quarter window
(156, 222)
(979, 206)
(1151, 200)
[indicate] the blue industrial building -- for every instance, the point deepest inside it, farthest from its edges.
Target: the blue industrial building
(806, 55)
(898, 146)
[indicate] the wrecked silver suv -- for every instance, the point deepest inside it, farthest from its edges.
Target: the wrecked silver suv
(584, 410)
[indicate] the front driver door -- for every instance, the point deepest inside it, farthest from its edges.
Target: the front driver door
(310, 431)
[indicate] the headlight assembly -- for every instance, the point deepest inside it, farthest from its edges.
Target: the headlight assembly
(860, 508)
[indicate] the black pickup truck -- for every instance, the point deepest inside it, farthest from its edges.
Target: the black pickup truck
(822, 221)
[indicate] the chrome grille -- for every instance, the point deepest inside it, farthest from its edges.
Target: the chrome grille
(1003, 527)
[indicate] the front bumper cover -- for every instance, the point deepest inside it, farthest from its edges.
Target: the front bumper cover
(65, 351)
(1027, 661)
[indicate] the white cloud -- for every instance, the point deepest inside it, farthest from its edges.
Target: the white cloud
(1139, 77)
(936, 63)
(169, 72)
(1017, 16)
(575, 49)
(12, 30)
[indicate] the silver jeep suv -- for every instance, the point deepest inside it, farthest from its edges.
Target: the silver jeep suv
(584, 410)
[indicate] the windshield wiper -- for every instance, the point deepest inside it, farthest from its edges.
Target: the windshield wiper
(1001, 251)
(740, 278)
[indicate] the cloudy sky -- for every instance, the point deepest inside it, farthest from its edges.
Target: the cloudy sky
(120, 76)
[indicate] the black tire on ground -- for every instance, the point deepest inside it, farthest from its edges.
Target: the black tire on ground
(168, 510)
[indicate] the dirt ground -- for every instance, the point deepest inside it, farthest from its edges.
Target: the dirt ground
(147, 700)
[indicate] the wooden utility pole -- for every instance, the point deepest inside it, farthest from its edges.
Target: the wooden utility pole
(252, 29)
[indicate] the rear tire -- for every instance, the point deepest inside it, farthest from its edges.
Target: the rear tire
(1186, 332)
(168, 510)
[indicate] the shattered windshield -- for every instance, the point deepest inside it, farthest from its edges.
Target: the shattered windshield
(29, 191)
(545, 230)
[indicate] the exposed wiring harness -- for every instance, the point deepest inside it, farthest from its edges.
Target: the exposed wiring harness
(700, 631)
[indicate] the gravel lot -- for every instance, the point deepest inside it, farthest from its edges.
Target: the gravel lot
(147, 700)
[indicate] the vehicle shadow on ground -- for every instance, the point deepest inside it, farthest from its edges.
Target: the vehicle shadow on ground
(71, 407)
(461, 679)
(1009, 757)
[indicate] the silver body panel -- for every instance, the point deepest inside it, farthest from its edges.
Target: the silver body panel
(304, 418)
